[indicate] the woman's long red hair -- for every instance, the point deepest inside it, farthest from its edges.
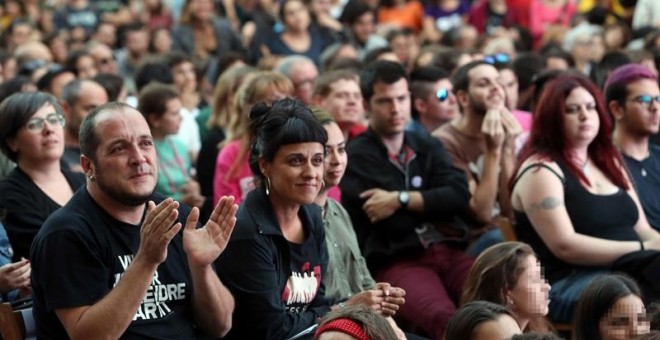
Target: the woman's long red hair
(548, 137)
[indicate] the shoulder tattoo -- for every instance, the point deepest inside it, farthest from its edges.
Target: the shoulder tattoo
(547, 203)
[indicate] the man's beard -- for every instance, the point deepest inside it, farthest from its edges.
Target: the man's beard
(123, 197)
(478, 107)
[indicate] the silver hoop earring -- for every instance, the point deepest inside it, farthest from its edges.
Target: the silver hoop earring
(267, 186)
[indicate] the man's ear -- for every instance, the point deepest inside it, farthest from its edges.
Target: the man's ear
(615, 109)
(87, 166)
(317, 100)
(462, 98)
(66, 109)
(367, 108)
(420, 105)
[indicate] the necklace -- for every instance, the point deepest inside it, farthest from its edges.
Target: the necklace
(585, 167)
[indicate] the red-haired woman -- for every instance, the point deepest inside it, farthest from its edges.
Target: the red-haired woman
(572, 198)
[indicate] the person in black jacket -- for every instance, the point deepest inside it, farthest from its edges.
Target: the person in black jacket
(403, 195)
(277, 256)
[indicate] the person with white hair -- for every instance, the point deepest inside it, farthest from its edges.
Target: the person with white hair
(585, 44)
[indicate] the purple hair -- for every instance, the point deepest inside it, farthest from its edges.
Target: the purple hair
(615, 86)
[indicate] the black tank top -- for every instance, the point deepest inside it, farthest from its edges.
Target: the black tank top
(609, 217)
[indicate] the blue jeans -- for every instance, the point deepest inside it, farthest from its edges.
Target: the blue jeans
(566, 292)
(487, 239)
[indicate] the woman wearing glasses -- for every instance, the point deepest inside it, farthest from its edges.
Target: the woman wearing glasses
(573, 200)
(32, 135)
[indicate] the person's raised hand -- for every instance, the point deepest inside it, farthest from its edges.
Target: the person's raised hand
(15, 275)
(493, 129)
(204, 245)
(157, 230)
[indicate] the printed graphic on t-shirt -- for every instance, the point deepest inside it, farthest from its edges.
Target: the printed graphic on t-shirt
(154, 305)
(301, 288)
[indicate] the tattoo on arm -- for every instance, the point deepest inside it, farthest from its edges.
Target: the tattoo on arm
(548, 203)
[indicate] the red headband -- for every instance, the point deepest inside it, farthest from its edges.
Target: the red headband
(343, 325)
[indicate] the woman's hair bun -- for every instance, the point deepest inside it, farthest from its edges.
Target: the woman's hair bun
(259, 110)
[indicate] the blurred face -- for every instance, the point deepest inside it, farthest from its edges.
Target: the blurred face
(509, 81)
(320, 7)
(59, 49)
(201, 9)
(437, 109)
(581, 49)
(296, 16)
(344, 103)
(162, 41)
(402, 45)
(125, 168)
(640, 116)
(105, 60)
(34, 145)
(185, 79)
(137, 42)
(389, 108)
(91, 96)
(86, 67)
(21, 34)
(503, 328)
(295, 173)
(625, 320)
(530, 294)
(9, 68)
(302, 76)
(336, 157)
(106, 33)
(59, 82)
(484, 91)
(170, 121)
(581, 121)
(363, 27)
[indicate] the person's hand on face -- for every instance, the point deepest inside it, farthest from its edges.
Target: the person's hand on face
(493, 129)
(15, 276)
(379, 204)
(204, 245)
(158, 230)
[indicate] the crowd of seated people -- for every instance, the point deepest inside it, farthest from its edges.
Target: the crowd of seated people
(321, 169)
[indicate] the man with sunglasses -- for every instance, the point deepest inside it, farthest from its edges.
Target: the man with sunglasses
(482, 143)
(433, 101)
(633, 99)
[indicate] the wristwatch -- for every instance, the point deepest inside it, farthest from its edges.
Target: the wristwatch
(404, 198)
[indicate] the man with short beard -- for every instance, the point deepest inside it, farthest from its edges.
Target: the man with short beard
(116, 261)
(482, 143)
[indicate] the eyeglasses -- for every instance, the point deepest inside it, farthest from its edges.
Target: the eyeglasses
(35, 125)
(499, 58)
(442, 95)
(646, 100)
(106, 61)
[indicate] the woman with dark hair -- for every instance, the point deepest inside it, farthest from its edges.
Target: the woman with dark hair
(481, 320)
(32, 136)
(510, 275)
(82, 64)
(276, 259)
(201, 34)
(297, 35)
(572, 198)
(610, 308)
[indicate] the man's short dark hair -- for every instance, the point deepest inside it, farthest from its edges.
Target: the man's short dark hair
(380, 71)
(89, 140)
(422, 83)
(153, 70)
(461, 79)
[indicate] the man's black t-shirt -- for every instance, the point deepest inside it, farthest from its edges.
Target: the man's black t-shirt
(80, 254)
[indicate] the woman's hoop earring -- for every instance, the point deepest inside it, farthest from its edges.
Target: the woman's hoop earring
(322, 184)
(267, 186)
